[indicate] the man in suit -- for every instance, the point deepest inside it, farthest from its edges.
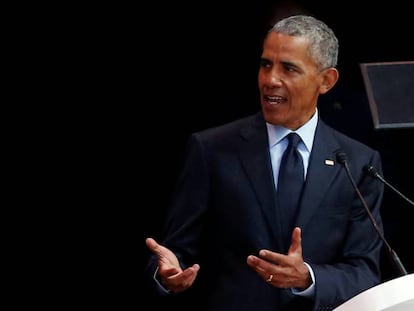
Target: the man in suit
(226, 242)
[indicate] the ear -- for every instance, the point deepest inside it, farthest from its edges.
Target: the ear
(329, 78)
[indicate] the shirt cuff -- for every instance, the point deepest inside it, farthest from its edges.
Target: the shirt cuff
(310, 291)
(160, 286)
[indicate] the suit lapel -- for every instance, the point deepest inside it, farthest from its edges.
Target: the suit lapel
(321, 172)
(255, 159)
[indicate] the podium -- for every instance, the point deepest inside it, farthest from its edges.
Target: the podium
(394, 295)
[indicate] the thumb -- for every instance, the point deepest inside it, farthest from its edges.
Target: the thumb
(153, 246)
(296, 244)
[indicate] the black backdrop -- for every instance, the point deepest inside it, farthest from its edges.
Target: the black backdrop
(202, 61)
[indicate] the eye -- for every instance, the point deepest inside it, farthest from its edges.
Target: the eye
(289, 67)
(265, 63)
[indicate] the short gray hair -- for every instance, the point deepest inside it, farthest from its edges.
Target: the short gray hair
(323, 44)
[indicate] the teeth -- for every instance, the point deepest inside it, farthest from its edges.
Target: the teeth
(276, 99)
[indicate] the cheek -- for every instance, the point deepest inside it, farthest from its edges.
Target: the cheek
(306, 88)
(259, 82)
(261, 79)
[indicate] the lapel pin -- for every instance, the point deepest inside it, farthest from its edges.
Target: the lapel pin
(329, 162)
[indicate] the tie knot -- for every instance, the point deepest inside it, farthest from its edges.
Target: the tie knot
(294, 139)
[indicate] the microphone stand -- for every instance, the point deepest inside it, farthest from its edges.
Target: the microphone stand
(371, 172)
(395, 259)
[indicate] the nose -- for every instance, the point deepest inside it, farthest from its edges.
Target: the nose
(274, 79)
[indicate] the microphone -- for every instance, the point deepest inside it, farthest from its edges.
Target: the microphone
(341, 157)
(369, 170)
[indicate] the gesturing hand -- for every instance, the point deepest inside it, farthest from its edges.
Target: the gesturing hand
(170, 274)
(283, 270)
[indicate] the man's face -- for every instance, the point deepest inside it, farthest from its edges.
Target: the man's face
(289, 81)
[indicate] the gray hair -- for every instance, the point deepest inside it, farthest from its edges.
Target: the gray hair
(323, 44)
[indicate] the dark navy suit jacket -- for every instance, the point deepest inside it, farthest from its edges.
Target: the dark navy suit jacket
(225, 209)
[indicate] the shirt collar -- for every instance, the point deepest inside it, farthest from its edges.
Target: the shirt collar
(306, 132)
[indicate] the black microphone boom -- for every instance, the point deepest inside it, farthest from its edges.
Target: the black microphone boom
(342, 158)
(369, 170)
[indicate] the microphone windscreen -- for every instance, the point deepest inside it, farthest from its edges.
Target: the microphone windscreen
(341, 157)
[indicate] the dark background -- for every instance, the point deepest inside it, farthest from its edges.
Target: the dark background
(202, 60)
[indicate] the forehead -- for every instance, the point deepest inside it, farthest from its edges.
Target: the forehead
(284, 45)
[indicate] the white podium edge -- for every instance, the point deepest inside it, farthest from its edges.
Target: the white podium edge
(396, 295)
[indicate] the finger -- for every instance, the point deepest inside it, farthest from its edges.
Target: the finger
(168, 272)
(296, 245)
(270, 257)
(191, 272)
(183, 280)
(187, 273)
(265, 270)
(260, 265)
(151, 243)
(154, 246)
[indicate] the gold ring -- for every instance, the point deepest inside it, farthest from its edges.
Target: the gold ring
(270, 278)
